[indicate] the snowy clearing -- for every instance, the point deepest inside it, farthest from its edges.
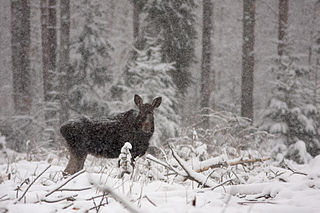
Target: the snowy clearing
(24, 189)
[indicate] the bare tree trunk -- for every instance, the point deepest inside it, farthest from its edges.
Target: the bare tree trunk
(205, 90)
(45, 46)
(283, 25)
(49, 49)
(64, 59)
(135, 19)
(50, 77)
(20, 41)
(248, 59)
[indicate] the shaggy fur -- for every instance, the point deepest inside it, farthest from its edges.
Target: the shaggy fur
(105, 138)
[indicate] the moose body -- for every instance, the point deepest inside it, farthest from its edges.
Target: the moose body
(105, 137)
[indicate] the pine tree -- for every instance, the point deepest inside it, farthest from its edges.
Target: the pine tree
(149, 77)
(89, 70)
(174, 21)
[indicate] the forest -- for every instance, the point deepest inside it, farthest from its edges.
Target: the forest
(233, 85)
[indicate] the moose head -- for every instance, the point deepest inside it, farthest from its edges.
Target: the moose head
(145, 116)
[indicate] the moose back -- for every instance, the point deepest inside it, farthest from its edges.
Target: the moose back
(104, 138)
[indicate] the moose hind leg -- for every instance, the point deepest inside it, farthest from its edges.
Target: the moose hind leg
(75, 164)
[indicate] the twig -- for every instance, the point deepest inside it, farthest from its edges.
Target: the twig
(33, 182)
(191, 174)
(65, 182)
(5, 199)
(295, 172)
(121, 200)
(69, 198)
(150, 200)
(75, 190)
(67, 206)
(207, 177)
(92, 198)
(166, 165)
(3, 196)
(255, 202)
(221, 184)
(103, 204)
(101, 201)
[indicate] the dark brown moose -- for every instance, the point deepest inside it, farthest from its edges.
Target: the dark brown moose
(105, 137)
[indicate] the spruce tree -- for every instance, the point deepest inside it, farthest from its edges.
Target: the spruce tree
(89, 71)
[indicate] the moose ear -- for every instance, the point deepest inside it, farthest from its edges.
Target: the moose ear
(138, 100)
(156, 102)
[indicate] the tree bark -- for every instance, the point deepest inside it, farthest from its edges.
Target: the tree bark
(64, 59)
(205, 90)
(45, 46)
(20, 44)
(49, 53)
(283, 25)
(248, 59)
(135, 19)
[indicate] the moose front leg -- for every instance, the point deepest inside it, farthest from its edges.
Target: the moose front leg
(75, 164)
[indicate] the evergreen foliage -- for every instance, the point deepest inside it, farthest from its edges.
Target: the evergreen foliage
(174, 21)
(149, 77)
(289, 114)
(89, 71)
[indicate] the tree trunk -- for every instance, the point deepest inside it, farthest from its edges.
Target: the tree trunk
(205, 90)
(20, 41)
(283, 25)
(135, 19)
(248, 59)
(45, 46)
(49, 49)
(64, 59)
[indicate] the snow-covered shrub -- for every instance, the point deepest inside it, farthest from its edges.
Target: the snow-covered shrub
(229, 134)
(289, 114)
(125, 160)
(298, 152)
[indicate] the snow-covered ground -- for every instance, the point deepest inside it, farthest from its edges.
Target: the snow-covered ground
(295, 190)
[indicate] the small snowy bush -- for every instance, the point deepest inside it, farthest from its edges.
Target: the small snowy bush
(125, 160)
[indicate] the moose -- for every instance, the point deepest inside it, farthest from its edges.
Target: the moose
(105, 137)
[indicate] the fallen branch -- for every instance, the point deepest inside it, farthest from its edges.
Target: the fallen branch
(33, 183)
(191, 174)
(65, 182)
(248, 161)
(220, 162)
